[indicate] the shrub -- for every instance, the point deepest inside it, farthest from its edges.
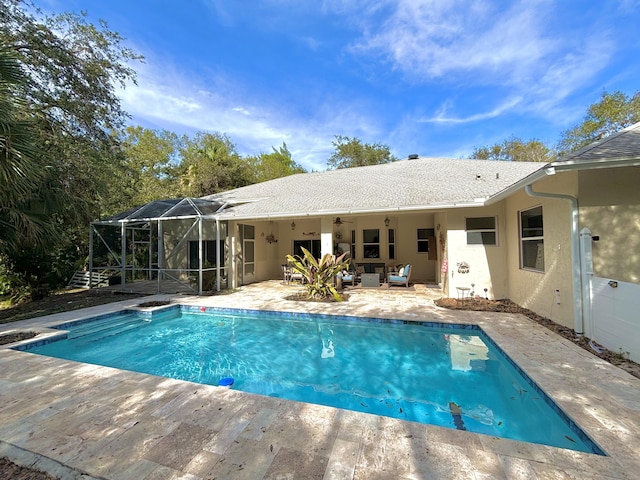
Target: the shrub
(319, 274)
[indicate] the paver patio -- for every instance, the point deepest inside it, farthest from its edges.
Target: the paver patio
(72, 418)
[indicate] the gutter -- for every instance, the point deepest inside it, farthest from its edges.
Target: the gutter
(364, 211)
(575, 253)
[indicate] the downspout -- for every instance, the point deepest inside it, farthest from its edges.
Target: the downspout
(575, 252)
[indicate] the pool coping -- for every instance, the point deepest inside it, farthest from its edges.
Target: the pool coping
(602, 399)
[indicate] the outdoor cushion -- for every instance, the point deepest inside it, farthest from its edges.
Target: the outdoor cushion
(401, 272)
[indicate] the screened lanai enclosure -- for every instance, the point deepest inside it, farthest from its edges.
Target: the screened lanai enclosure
(166, 246)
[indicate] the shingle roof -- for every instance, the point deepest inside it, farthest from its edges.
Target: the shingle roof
(406, 184)
(620, 145)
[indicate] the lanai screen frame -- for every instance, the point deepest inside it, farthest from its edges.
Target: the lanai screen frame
(197, 210)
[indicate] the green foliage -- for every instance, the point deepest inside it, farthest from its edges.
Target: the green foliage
(277, 164)
(63, 106)
(319, 275)
(516, 150)
(351, 152)
(611, 114)
(9, 280)
(19, 172)
(150, 158)
(211, 164)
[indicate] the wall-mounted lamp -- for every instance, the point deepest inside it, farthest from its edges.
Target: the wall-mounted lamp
(387, 222)
(612, 284)
(293, 225)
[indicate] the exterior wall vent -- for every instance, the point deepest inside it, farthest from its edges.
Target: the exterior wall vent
(413, 156)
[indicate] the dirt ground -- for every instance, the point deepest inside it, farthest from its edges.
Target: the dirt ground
(507, 306)
(63, 301)
(9, 470)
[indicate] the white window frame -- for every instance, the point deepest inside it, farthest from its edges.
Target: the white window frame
(371, 245)
(391, 246)
(538, 239)
(423, 241)
(493, 230)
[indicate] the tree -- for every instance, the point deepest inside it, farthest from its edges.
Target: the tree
(19, 172)
(351, 152)
(267, 166)
(151, 161)
(611, 114)
(71, 70)
(211, 164)
(516, 150)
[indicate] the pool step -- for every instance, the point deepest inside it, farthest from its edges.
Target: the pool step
(108, 326)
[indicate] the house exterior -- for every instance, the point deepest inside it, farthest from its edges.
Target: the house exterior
(562, 239)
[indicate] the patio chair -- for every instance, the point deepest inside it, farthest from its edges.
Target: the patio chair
(295, 276)
(401, 278)
(348, 277)
(286, 272)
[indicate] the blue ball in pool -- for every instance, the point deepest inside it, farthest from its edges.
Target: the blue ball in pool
(225, 382)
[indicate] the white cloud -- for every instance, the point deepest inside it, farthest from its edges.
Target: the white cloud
(171, 100)
(477, 42)
(442, 116)
(434, 39)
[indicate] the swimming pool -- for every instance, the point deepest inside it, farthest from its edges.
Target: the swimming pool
(452, 376)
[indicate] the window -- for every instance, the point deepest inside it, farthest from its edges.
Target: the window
(423, 239)
(314, 247)
(353, 244)
(481, 231)
(392, 244)
(371, 243)
(532, 239)
(209, 254)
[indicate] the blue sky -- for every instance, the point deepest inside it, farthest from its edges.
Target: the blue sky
(436, 78)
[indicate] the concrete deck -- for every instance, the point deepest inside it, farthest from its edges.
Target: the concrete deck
(71, 418)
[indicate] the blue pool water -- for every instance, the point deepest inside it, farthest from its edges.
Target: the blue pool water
(435, 374)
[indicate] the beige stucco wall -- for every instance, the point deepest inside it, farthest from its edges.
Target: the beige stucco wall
(440, 219)
(487, 263)
(270, 257)
(267, 259)
(423, 269)
(176, 237)
(610, 208)
(536, 290)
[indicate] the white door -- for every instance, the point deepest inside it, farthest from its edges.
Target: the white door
(247, 254)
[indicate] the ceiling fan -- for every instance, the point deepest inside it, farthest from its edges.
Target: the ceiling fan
(339, 221)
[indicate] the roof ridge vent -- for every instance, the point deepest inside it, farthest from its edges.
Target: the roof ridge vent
(413, 156)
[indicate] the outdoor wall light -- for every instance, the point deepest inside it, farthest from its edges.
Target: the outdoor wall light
(293, 225)
(612, 284)
(387, 221)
